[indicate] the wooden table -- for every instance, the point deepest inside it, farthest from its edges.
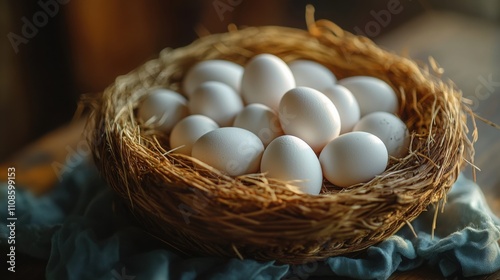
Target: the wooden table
(36, 165)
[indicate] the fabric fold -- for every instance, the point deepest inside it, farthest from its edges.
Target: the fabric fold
(75, 228)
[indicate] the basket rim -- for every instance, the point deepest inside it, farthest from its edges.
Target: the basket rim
(116, 137)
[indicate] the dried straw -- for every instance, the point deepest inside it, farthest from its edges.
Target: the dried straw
(200, 211)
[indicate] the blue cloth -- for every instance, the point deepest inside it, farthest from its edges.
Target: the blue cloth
(75, 228)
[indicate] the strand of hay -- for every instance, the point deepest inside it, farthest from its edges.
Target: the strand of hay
(200, 211)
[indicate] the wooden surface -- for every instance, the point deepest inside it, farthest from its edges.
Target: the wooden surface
(464, 47)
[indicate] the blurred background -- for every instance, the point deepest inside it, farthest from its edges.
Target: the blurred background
(53, 51)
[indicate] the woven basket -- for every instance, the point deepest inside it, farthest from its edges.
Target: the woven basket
(197, 210)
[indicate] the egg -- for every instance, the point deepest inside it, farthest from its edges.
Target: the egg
(389, 128)
(232, 150)
(352, 158)
(308, 114)
(372, 94)
(260, 120)
(162, 108)
(188, 130)
(346, 105)
(217, 101)
(223, 71)
(265, 80)
(311, 74)
(289, 158)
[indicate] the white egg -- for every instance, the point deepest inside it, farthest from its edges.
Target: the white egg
(289, 158)
(352, 158)
(308, 114)
(346, 105)
(188, 130)
(372, 94)
(265, 80)
(308, 73)
(162, 108)
(232, 150)
(260, 120)
(389, 128)
(217, 101)
(223, 71)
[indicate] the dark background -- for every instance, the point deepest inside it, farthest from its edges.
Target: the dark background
(84, 45)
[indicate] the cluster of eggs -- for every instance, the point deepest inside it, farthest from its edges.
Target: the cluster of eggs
(293, 122)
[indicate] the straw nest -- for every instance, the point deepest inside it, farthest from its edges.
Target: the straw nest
(199, 211)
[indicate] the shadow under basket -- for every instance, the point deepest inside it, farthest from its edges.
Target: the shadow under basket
(197, 210)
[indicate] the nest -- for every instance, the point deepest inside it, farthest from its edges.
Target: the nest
(197, 210)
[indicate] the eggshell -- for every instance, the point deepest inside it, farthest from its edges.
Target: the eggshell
(290, 158)
(352, 158)
(188, 130)
(232, 150)
(308, 73)
(372, 94)
(162, 108)
(260, 120)
(308, 114)
(389, 128)
(223, 71)
(265, 80)
(217, 101)
(346, 105)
